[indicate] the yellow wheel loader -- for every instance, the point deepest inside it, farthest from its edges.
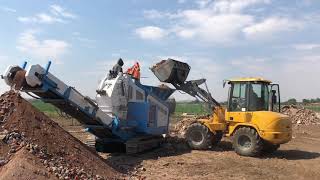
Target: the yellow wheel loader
(251, 118)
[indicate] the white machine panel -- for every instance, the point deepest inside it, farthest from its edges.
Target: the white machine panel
(162, 112)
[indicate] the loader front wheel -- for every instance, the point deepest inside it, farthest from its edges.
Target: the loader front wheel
(247, 142)
(199, 137)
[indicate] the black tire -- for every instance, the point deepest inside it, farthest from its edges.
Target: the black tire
(247, 142)
(199, 137)
(269, 148)
(217, 137)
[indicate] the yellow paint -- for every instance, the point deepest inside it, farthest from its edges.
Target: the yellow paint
(273, 127)
(249, 79)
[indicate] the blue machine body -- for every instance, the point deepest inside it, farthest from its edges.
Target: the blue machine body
(142, 117)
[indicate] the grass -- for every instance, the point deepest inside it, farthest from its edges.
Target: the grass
(46, 108)
(314, 108)
(191, 108)
(181, 107)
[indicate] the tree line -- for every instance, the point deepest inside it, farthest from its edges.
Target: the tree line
(293, 101)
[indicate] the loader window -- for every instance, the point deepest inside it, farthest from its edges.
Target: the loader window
(274, 99)
(238, 97)
(258, 97)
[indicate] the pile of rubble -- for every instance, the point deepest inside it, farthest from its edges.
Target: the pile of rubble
(181, 126)
(6, 105)
(60, 155)
(301, 115)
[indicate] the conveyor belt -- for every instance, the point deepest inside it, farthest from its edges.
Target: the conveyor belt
(66, 99)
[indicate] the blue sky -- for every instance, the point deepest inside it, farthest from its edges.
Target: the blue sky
(220, 39)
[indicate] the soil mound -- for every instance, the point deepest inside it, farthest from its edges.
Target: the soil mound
(41, 147)
(300, 115)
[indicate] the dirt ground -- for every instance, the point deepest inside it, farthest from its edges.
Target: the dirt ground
(298, 159)
(32, 146)
(35, 147)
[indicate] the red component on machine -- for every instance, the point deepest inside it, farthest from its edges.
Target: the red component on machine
(134, 71)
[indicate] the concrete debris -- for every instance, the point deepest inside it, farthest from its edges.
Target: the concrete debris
(61, 155)
(181, 127)
(6, 105)
(301, 115)
(55, 165)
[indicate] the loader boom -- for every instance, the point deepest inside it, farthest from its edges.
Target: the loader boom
(176, 72)
(193, 89)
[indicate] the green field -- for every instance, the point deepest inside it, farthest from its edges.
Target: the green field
(314, 108)
(182, 107)
(192, 108)
(47, 108)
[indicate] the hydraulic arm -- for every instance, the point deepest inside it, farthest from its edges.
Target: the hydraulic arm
(176, 72)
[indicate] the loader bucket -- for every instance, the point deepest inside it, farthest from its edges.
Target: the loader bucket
(171, 71)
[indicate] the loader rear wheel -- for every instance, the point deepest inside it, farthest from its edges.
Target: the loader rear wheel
(199, 137)
(270, 148)
(247, 142)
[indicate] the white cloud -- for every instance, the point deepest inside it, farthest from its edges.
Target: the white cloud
(272, 25)
(9, 10)
(44, 49)
(250, 64)
(153, 14)
(220, 21)
(293, 71)
(212, 28)
(5, 61)
(203, 3)
(57, 14)
(299, 75)
(60, 11)
(181, 1)
(228, 22)
(40, 18)
(151, 33)
(310, 46)
(234, 6)
(3, 58)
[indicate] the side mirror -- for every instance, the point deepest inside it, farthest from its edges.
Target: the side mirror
(274, 97)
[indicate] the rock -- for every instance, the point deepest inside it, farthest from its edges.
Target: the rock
(165, 164)
(2, 162)
(143, 169)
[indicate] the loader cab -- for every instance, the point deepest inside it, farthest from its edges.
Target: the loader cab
(253, 94)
